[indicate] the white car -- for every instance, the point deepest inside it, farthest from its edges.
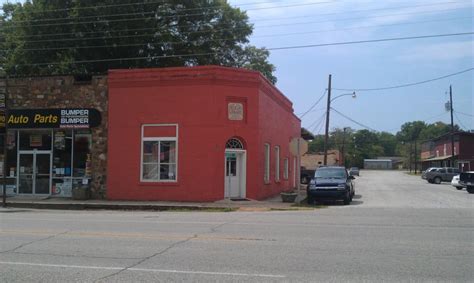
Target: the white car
(455, 183)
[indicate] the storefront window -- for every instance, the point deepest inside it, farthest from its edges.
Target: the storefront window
(62, 163)
(159, 153)
(159, 160)
(11, 162)
(82, 155)
(62, 153)
(35, 140)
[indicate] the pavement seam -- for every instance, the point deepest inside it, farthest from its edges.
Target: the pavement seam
(33, 242)
(74, 256)
(195, 236)
(147, 258)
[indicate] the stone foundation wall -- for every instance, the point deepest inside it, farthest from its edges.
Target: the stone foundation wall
(66, 92)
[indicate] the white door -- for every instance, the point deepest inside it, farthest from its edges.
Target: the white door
(234, 175)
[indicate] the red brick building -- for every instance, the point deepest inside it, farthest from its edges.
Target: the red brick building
(437, 152)
(198, 134)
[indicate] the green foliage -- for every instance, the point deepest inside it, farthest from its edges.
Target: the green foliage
(154, 34)
(365, 144)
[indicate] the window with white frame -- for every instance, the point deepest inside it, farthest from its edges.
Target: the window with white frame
(285, 169)
(277, 163)
(159, 153)
(266, 176)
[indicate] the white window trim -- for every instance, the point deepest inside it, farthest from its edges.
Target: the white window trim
(266, 173)
(285, 168)
(158, 139)
(277, 163)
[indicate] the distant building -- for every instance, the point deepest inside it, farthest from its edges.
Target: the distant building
(381, 164)
(437, 152)
(397, 161)
(313, 161)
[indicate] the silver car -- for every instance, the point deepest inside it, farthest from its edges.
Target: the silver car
(455, 183)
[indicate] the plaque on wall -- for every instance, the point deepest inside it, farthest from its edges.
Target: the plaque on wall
(235, 111)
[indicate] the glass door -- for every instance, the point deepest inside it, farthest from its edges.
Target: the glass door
(42, 173)
(34, 173)
(25, 173)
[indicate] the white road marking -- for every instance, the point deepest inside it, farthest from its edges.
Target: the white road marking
(143, 269)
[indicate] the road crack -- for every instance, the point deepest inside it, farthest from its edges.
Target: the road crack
(147, 258)
(33, 242)
(213, 229)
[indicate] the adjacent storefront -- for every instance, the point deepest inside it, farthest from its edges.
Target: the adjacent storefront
(56, 140)
(49, 150)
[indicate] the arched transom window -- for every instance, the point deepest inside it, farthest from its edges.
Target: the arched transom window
(234, 143)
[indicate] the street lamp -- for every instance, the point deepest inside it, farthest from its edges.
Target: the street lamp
(353, 94)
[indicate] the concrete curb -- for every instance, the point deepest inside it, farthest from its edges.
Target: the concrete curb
(113, 206)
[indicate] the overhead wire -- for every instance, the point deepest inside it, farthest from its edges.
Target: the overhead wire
(316, 122)
(95, 7)
(213, 40)
(314, 104)
(319, 125)
(264, 19)
(464, 113)
(154, 17)
(256, 36)
(354, 121)
(272, 48)
(410, 84)
(459, 121)
(225, 29)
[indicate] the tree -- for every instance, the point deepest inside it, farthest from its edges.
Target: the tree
(46, 37)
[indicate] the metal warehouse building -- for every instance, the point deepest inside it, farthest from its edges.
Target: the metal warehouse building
(383, 164)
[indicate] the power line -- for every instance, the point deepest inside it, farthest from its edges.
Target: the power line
(201, 31)
(371, 41)
(354, 121)
(459, 121)
(266, 19)
(314, 105)
(273, 48)
(316, 122)
(212, 40)
(368, 10)
(154, 18)
(470, 115)
(131, 4)
(416, 83)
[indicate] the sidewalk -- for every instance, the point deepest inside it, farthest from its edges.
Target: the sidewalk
(274, 203)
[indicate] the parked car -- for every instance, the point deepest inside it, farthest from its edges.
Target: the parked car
(439, 175)
(423, 175)
(333, 183)
(354, 171)
(306, 175)
(455, 183)
(467, 179)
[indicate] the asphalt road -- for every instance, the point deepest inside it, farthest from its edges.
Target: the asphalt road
(398, 229)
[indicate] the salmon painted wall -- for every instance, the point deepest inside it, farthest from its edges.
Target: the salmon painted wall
(196, 100)
(278, 125)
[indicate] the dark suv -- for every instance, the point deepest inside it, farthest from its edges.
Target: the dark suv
(331, 183)
(438, 175)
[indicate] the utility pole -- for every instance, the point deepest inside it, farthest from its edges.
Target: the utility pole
(452, 124)
(416, 161)
(411, 153)
(3, 100)
(326, 136)
(343, 142)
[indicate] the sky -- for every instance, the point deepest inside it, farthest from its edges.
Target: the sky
(303, 73)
